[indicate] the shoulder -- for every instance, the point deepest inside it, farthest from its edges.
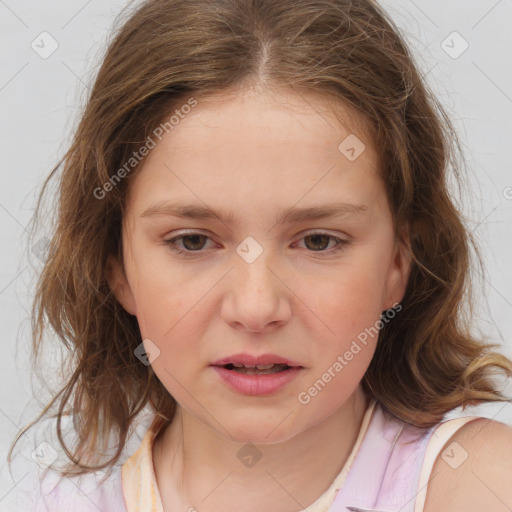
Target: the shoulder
(473, 471)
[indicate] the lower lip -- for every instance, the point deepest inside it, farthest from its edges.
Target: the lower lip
(257, 385)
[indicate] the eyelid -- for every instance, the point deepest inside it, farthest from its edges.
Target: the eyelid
(303, 234)
(318, 231)
(321, 231)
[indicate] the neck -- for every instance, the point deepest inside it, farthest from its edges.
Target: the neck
(197, 468)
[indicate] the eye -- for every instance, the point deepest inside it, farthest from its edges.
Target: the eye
(317, 242)
(194, 242)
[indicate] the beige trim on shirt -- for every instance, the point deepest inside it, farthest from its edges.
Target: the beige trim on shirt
(140, 488)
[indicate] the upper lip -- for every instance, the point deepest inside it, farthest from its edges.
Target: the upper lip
(250, 360)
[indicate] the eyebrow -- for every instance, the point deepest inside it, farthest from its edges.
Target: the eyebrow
(287, 216)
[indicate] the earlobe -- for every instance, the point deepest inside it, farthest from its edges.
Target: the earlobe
(118, 283)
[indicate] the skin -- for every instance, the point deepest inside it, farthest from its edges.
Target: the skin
(482, 480)
(255, 153)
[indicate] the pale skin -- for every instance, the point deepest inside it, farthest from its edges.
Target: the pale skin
(255, 154)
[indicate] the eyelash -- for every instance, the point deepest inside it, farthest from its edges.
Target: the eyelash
(171, 243)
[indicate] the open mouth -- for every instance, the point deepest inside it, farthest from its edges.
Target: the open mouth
(256, 370)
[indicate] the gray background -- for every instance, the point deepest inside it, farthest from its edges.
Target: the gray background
(40, 101)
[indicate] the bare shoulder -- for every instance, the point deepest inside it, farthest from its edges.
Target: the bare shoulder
(473, 471)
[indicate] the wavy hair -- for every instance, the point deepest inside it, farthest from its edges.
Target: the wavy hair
(165, 52)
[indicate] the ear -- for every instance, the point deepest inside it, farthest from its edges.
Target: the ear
(398, 274)
(116, 278)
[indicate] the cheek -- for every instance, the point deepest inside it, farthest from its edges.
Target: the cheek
(171, 313)
(346, 321)
(162, 293)
(347, 302)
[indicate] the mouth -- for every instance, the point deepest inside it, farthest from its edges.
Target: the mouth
(250, 364)
(256, 370)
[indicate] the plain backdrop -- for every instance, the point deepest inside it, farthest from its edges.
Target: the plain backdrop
(463, 48)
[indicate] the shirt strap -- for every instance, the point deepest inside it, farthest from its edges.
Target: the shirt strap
(440, 436)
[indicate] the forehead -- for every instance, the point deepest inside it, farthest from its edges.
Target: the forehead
(271, 117)
(277, 145)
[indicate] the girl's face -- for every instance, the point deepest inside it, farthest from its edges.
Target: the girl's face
(263, 266)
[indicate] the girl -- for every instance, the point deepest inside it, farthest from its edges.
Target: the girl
(255, 239)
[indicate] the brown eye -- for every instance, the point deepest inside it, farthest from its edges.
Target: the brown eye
(318, 242)
(190, 243)
(194, 242)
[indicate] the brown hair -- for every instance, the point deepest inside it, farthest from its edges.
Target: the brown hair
(168, 51)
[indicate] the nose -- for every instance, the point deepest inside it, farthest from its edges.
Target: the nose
(257, 299)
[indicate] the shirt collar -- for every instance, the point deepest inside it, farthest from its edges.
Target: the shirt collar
(139, 480)
(139, 483)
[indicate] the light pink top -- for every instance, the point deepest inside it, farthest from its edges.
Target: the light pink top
(387, 471)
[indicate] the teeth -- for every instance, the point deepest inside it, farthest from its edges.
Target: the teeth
(259, 367)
